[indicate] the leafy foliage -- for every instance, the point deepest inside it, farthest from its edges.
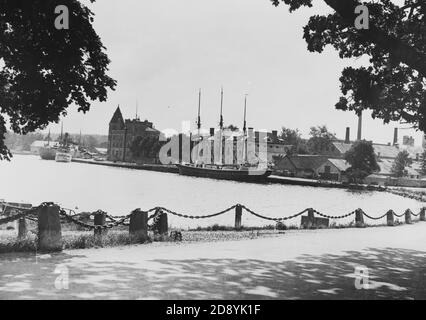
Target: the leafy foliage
(393, 85)
(293, 137)
(423, 163)
(146, 147)
(402, 160)
(45, 70)
(320, 140)
(362, 159)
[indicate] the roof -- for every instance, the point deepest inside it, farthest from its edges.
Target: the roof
(386, 167)
(385, 151)
(340, 164)
(382, 150)
(307, 162)
(38, 143)
(342, 147)
(413, 151)
(117, 117)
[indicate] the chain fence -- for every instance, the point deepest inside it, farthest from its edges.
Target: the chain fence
(81, 219)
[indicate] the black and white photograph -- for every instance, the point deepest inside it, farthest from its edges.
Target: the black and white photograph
(196, 150)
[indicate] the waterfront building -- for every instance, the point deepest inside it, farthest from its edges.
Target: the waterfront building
(122, 133)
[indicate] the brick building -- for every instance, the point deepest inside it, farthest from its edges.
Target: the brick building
(122, 133)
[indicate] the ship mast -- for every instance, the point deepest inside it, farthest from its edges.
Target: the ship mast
(245, 129)
(221, 127)
(198, 123)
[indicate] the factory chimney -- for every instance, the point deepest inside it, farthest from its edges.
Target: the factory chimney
(347, 139)
(395, 136)
(359, 126)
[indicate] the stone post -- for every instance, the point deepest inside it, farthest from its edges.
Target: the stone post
(22, 228)
(422, 214)
(163, 226)
(390, 218)
(408, 216)
(359, 218)
(138, 226)
(99, 219)
(49, 228)
(238, 215)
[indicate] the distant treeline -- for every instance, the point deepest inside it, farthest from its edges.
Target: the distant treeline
(23, 142)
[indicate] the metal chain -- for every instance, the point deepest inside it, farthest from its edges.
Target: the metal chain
(334, 217)
(273, 219)
(121, 220)
(197, 217)
(373, 218)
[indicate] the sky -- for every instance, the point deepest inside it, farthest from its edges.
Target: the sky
(162, 52)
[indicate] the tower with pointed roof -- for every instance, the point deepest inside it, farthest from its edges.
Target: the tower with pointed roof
(122, 133)
(116, 136)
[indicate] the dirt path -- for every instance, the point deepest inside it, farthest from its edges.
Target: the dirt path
(300, 264)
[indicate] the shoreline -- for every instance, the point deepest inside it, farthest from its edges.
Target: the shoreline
(271, 179)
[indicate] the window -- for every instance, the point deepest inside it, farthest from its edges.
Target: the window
(327, 169)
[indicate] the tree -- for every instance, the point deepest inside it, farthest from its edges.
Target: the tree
(293, 137)
(44, 70)
(232, 127)
(320, 139)
(146, 147)
(402, 161)
(423, 164)
(393, 85)
(290, 136)
(362, 159)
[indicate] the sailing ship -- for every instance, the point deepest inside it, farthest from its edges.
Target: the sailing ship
(48, 152)
(237, 172)
(63, 154)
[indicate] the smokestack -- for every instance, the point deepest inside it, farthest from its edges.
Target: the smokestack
(395, 136)
(359, 126)
(347, 139)
(274, 135)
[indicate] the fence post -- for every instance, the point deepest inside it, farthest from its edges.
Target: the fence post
(390, 218)
(99, 219)
(49, 228)
(359, 218)
(238, 215)
(22, 228)
(138, 226)
(408, 216)
(422, 214)
(163, 226)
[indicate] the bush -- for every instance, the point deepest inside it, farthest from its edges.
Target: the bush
(280, 226)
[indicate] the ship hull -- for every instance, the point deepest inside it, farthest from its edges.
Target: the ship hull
(47, 153)
(225, 174)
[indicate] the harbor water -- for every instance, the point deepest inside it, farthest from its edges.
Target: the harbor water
(84, 187)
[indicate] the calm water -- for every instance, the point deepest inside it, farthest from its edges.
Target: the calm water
(118, 191)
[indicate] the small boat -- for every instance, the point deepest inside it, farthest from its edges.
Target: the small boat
(63, 155)
(238, 172)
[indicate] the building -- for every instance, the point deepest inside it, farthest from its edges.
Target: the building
(312, 167)
(300, 166)
(122, 133)
(37, 145)
(333, 169)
